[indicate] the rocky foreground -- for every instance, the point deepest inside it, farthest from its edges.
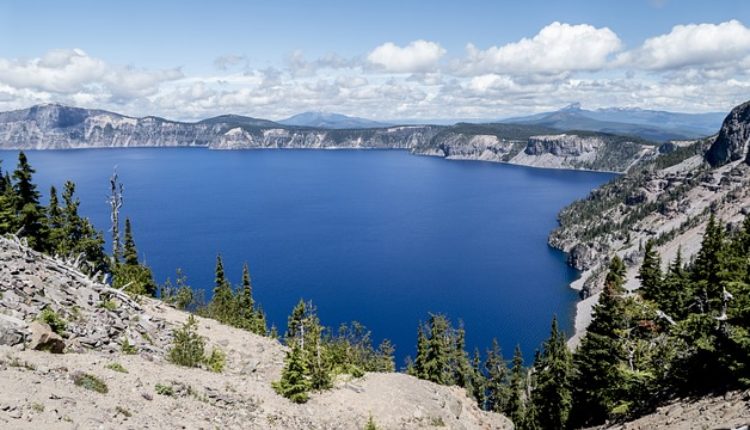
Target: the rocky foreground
(142, 390)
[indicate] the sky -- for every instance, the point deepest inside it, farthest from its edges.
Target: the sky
(382, 59)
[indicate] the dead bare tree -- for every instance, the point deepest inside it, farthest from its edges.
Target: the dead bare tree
(115, 203)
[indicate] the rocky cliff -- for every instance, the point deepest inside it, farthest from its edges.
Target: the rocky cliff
(734, 138)
(666, 198)
(80, 374)
(55, 126)
(555, 151)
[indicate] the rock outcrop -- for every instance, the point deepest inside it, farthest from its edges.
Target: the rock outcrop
(96, 384)
(730, 411)
(734, 138)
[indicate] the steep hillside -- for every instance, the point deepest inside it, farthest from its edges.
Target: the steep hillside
(730, 411)
(530, 145)
(667, 199)
(114, 372)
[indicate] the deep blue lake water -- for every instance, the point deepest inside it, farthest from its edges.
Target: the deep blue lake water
(381, 237)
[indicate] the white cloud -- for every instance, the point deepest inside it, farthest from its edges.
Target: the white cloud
(71, 71)
(692, 68)
(557, 48)
(709, 45)
(417, 56)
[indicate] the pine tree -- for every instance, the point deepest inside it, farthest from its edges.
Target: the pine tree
(463, 374)
(515, 408)
(551, 396)
(386, 350)
(651, 276)
(295, 322)
(247, 315)
(130, 253)
(30, 215)
(54, 219)
(497, 375)
(294, 383)
(222, 306)
(436, 364)
(480, 383)
(596, 378)
(676, 289)
(708, 266)
(419, 361)
(319, 362)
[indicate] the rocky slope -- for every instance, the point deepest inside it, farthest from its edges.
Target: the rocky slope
(143, 390)
(730, 411)
(61, 127)
(667, 199)
(535, 146)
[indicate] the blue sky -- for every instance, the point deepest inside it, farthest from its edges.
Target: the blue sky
(385, 59)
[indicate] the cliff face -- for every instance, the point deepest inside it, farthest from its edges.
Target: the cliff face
(734, 138)
(558, 151)
(62, 127)
(667, 198)
(39, 389)
(404, 137)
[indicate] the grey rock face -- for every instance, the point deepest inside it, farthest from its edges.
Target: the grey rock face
(63, 127)
(31, 282)
(563, 145)
(732, 142)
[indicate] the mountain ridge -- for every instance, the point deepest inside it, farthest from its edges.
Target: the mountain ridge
(645, 123)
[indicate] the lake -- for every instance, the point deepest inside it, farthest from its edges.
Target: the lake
(381, 237)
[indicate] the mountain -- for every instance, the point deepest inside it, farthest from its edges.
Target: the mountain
(240, 120)
(330, 120)
(55, 126)
(667, 199)
(654, 125)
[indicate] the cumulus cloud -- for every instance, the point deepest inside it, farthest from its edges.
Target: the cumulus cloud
(417, 56)
(698, 67)
(709, 45)
(70, 71)
(558, 47)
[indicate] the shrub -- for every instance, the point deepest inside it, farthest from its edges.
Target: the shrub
(370, 425)
(164, 390)
(188, 346)
(90, 382)
(117, 367)
(216, 361)
(52, 319)
(128, 348)
(124, 412)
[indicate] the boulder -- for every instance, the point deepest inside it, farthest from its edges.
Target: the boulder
(44, 339)
(12, 330)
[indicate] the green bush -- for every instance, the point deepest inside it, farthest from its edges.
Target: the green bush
(128, 348)
(216, 361)
(164, 390)
(51, 318)
(188, 346)
(90, 382)
(117, 367)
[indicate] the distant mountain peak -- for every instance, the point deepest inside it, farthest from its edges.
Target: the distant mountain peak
(573, 107)
(333, 120)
